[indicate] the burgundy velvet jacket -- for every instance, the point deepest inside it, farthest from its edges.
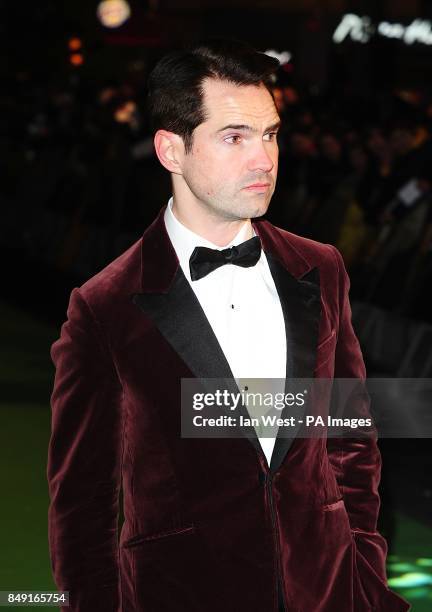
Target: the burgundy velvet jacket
(208, 527)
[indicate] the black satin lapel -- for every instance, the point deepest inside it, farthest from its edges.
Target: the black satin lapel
(181, 320)
(301, 306)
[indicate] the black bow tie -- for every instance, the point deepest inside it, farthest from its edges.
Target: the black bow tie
(204, 260)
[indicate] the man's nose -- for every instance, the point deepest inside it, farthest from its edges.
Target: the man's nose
(261, 159)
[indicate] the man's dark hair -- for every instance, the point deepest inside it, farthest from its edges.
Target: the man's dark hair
(175, 86)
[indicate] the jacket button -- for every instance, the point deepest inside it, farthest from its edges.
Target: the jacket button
(262, 478)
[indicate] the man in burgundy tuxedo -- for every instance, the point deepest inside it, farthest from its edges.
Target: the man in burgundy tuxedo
(210, 291)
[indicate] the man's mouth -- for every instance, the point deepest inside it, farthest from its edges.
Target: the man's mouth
(257, 187)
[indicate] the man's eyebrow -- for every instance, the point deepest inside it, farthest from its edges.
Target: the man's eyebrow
(247, 128)
(275, 126)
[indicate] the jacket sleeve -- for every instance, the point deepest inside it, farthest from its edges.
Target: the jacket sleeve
(357, 465)
(357, 461)
(84, 464)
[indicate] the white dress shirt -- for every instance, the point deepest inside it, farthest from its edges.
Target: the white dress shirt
(243, 308)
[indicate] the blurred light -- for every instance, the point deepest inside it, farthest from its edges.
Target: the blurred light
(391, 30)
(75, 44)
(412, 579)
(290, 95)
(107, 94)
(361, 29)
(402, 567)
(357, 27)
(424, 562)
(113, 13)
(419, 31)
(125, 113)
(283, 58)
(76, 59)
(411, 97)
(417, 593)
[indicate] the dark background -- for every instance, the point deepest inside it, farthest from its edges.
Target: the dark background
(79, 183)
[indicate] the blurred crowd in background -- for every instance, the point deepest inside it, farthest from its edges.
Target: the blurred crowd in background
(80, 181)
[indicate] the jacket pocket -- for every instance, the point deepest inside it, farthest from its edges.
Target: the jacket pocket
(140, 538)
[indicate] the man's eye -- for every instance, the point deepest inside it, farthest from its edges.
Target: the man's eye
(233, 139)
(270, 135)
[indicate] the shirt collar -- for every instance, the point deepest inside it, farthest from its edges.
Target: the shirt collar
(185, 240)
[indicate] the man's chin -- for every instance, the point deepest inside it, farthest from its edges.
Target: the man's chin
(259, 210)
(237, 209)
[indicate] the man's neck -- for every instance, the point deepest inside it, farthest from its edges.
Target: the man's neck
(215, 229)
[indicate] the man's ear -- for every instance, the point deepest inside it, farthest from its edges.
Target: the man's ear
(169, 148)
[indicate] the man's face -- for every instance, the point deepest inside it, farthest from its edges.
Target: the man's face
(232, 167)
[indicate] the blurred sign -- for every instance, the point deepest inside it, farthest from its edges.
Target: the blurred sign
(361, 29)
(283, 57)
(113, 13)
